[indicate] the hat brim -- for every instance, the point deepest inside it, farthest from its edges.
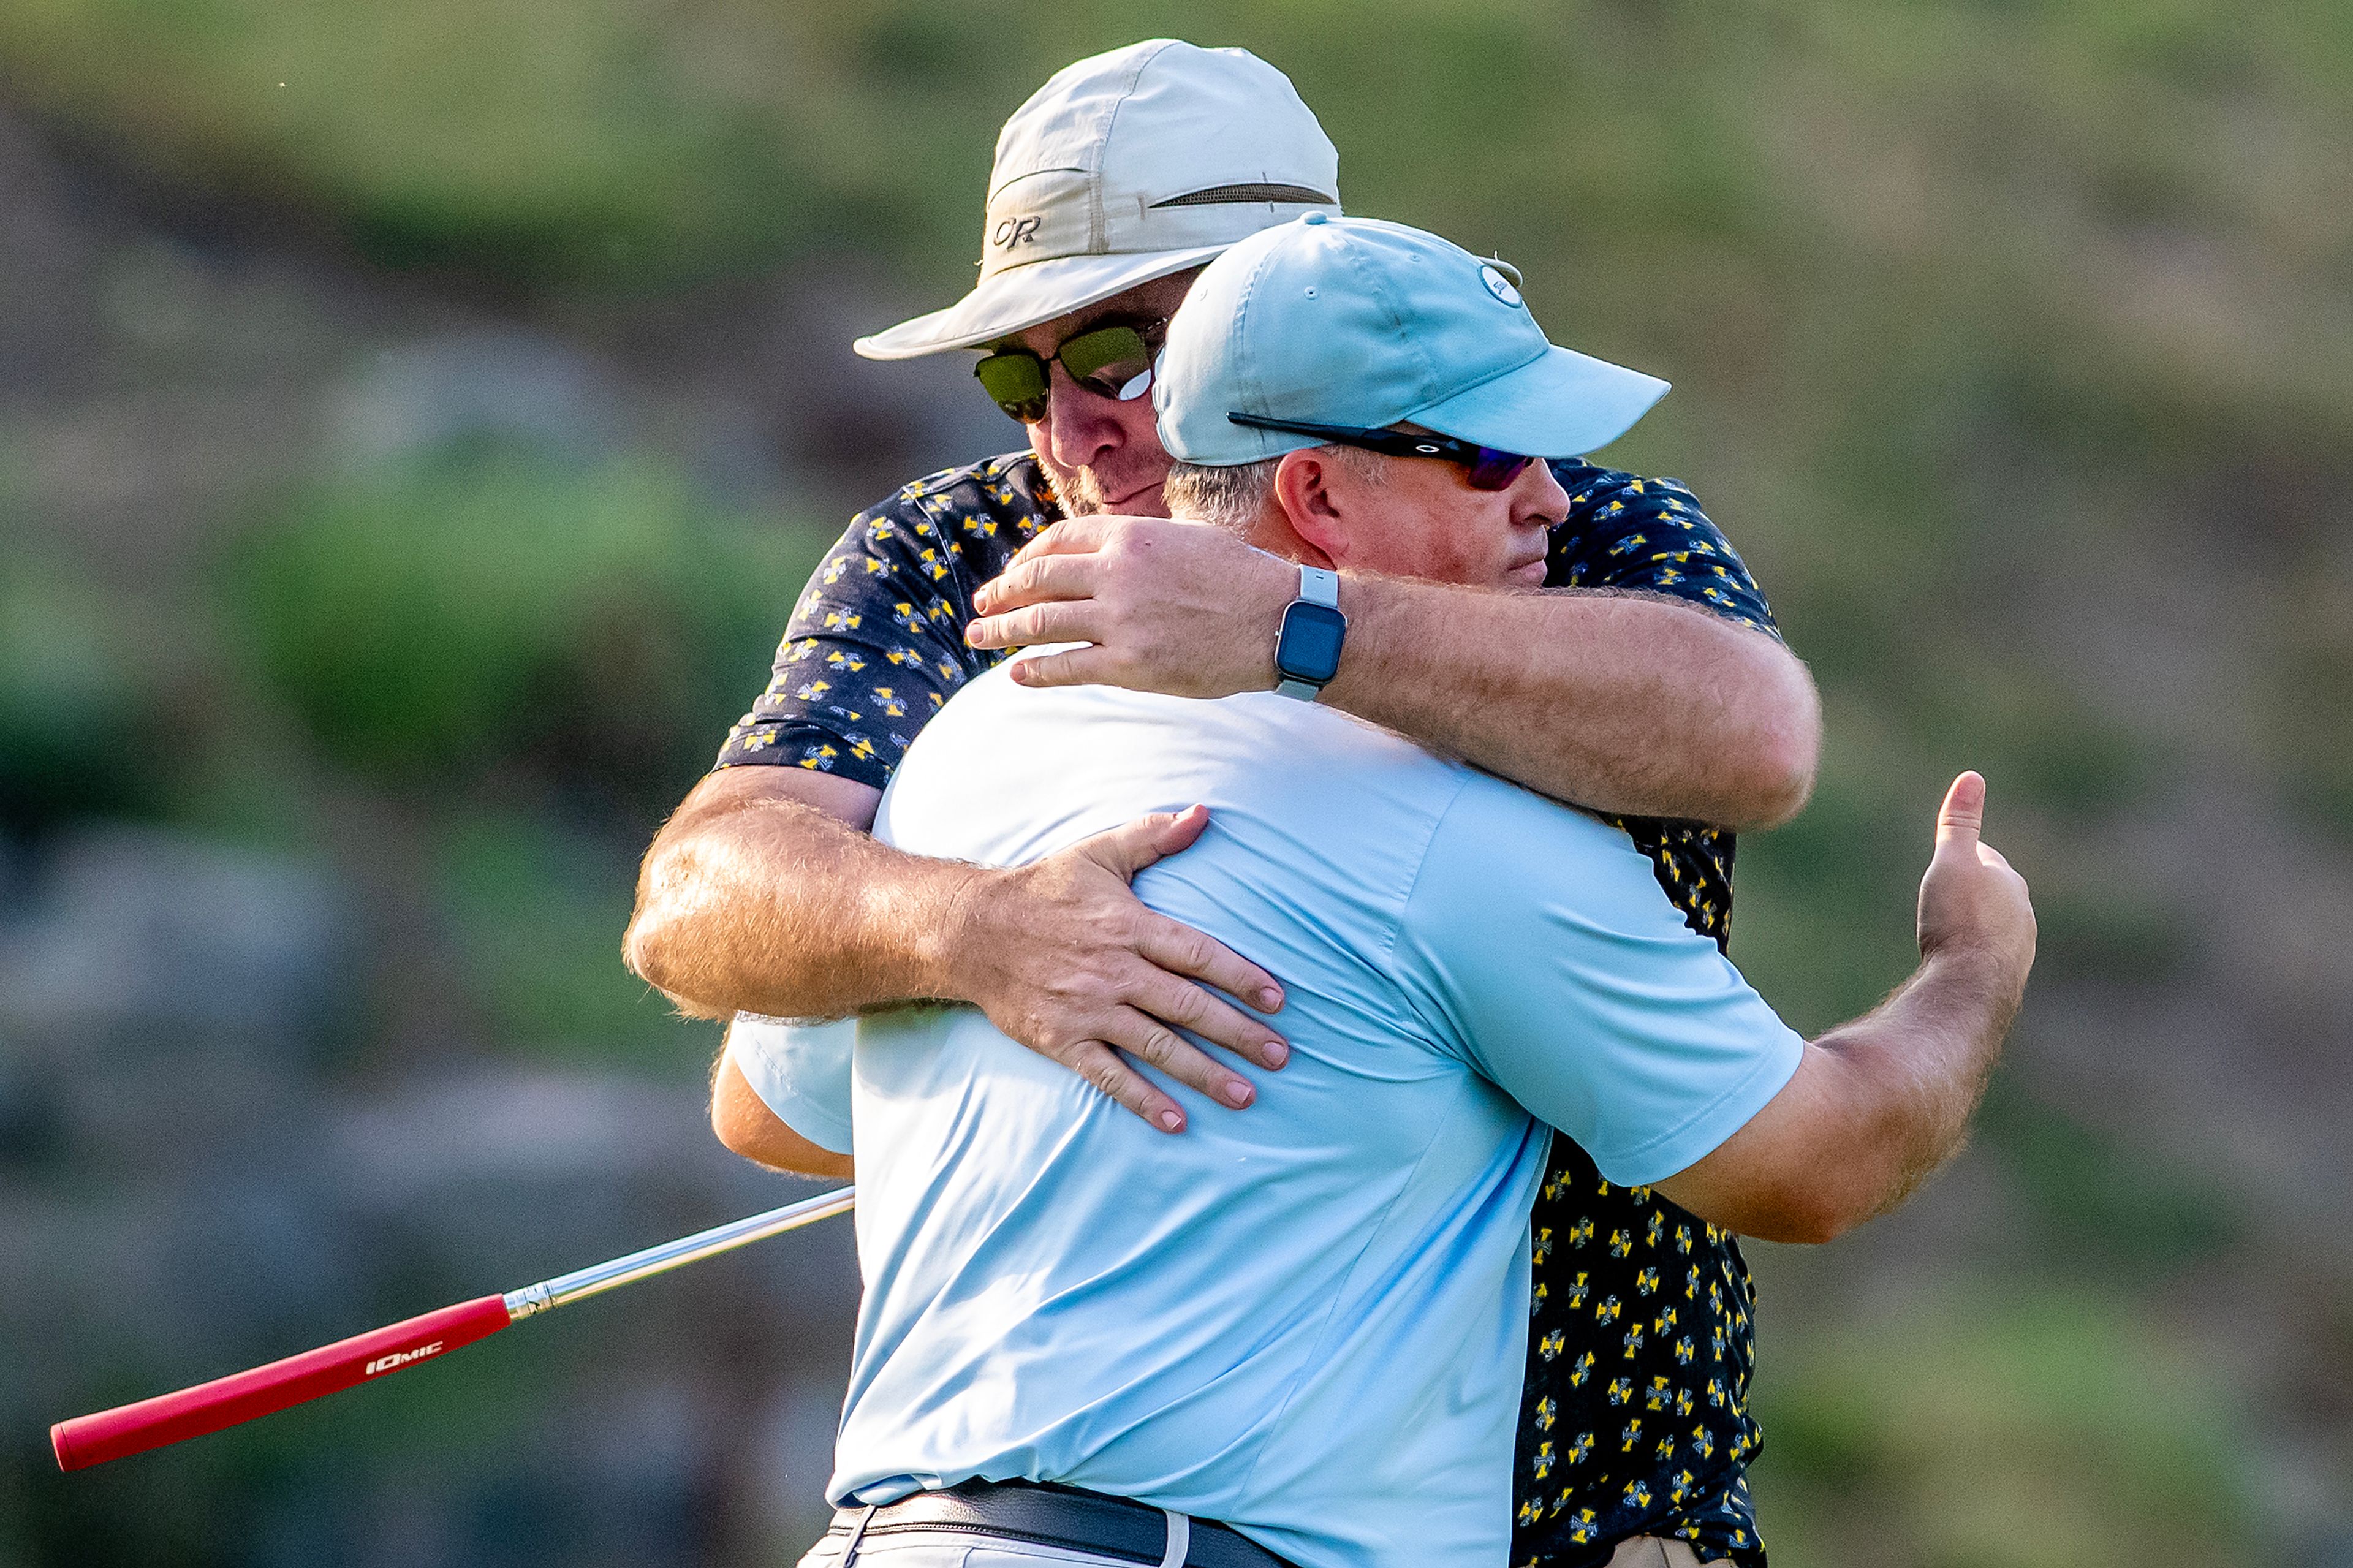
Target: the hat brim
(1562, 403)
(1019, 298)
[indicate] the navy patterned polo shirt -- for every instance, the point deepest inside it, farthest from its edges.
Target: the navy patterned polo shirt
(1635, 1419)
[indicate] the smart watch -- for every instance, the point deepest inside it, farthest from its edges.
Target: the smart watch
(1307, 649)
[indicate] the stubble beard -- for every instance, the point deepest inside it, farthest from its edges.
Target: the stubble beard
(1082, 493)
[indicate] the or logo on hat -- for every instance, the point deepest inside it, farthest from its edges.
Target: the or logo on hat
(1016, 231)
(1499, 285)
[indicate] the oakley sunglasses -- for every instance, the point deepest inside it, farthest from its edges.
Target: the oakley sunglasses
(1115, 361)
(1490, 469)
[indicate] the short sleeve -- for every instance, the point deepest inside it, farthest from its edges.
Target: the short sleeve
(875, 644)
(1648, 535)
(800, 1071)
(1536, 938)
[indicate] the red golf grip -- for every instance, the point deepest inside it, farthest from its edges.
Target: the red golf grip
(226, 1401)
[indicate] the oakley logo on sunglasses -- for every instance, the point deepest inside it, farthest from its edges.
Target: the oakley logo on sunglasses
(1015, 231)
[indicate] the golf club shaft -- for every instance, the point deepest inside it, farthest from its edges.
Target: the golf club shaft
(599, 1277)
(241, 1396)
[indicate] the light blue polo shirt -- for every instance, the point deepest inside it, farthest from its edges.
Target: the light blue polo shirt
(1307, 1318)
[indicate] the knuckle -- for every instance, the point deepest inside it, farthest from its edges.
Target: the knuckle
(1189, 1008)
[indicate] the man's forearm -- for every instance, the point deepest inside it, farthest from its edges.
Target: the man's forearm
(765, 894)
(775, 907)
(1920, 1062)
(1620, 702)
(1875, 1106)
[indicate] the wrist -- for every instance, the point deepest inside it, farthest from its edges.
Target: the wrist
(957, 933)
(1387, 615)
(1984, 969)
(1269, 596)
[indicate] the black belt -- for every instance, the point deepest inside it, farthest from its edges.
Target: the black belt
(1056, 1515)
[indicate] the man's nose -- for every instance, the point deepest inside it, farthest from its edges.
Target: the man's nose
(1539, 498)
(1080, 429)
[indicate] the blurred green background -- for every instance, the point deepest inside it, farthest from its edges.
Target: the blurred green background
(417, 420)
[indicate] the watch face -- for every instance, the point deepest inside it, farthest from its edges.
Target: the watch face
(1309, 648)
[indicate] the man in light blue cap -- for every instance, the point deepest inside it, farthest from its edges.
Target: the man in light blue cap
(1298, 1336)
(1330, 333)
(1357, 321)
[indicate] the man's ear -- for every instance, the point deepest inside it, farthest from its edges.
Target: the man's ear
(1304, 484)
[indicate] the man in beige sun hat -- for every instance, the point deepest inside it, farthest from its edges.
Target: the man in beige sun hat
(1645, 680)
(1122, 169)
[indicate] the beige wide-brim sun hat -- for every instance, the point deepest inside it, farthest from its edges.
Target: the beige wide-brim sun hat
(1127, 167)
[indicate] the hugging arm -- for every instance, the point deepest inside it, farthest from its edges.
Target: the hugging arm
(1879, 1103)
(1646, 682)
(1623, 703)
(1604, 1017)
(765, 894)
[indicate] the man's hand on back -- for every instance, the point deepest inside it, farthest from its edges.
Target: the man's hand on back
(764, 894)
(1062, 956)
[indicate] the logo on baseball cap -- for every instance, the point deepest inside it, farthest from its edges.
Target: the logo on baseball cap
(1123, 168)
(1355, 322)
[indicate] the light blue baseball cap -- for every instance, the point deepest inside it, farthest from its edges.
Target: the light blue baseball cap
(1351, 320)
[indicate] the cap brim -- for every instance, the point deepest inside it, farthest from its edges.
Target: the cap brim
(1561, 404)
(1019, 298)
